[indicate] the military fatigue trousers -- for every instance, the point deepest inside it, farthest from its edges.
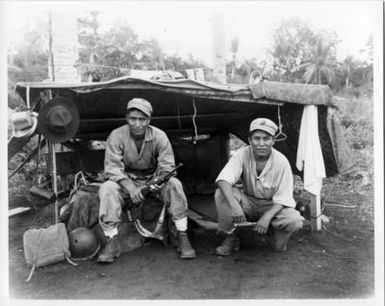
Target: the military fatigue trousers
(113, 196)
(284, 223)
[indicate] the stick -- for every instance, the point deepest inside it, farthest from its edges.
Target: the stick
(37, 159)
(54, 174)
(27, 159)
(340, 205)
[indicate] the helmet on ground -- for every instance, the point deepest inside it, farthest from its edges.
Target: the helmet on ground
(83, 243)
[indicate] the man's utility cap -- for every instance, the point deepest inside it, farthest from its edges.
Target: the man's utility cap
(264, 124)
(140, 104)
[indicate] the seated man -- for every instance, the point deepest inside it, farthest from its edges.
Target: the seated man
(267, 195)
(135, 153)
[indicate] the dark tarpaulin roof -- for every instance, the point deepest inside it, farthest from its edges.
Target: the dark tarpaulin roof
(186, 106)
(284, 92)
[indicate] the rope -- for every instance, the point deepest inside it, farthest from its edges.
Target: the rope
(157, 231)
(280, 133)
(27, 96)
(194, 123)
(83, 179)
(177, 108)
(71, 197)
(103, 66)
(31, 273)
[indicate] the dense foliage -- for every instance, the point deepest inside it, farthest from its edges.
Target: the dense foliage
(298, 53)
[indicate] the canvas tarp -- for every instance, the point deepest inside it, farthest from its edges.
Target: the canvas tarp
(293, 93)
(285, 92)
(188, 107)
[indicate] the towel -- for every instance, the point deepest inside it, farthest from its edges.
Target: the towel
(309, 154)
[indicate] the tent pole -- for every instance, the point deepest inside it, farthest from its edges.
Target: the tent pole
(37, 159)
(315, 212)
(54, 175)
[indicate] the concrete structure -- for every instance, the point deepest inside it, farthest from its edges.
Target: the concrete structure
(64, 47)
(219, 48)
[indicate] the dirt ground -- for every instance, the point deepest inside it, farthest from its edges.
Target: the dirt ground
(334, 263)
(337, 262)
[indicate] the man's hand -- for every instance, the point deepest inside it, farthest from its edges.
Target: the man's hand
(262, 225)
(264, 222)
(237, 213)
(137, 196)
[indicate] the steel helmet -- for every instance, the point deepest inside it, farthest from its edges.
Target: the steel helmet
(83, 243)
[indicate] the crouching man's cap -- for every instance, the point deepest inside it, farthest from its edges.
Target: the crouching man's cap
(140, 104)
(264, 124)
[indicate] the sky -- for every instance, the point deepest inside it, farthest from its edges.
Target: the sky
(184, 27)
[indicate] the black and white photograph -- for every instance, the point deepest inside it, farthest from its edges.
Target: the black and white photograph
(192, 152)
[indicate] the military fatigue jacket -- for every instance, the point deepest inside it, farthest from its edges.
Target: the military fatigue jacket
(274, 183)
(122, 159)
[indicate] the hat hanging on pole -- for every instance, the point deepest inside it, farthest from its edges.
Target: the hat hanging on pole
(58, 120)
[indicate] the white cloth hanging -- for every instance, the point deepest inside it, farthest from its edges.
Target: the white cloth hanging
(309, 154)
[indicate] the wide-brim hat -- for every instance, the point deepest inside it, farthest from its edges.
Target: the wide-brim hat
(58, 120)
(23, 123)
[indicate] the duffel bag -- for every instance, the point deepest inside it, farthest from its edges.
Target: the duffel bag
(45, 246)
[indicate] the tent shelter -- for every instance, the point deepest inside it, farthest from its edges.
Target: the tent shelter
(198, 117)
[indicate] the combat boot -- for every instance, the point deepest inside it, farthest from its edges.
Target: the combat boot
(111, 251)
(232, 243)
(280, 240)
(184, 246)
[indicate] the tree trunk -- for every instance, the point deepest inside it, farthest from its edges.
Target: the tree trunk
(318, 76)
(233, 67)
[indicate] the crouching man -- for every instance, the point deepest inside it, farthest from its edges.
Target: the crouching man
(135, 153)
(267, 194)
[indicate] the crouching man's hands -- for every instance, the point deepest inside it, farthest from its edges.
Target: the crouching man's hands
(264, 222)
(262, 225)
(237, 213)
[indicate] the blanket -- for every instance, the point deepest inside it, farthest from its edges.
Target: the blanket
(82, 210)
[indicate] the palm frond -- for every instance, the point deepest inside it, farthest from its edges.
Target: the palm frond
(300, 67)
(310, 73)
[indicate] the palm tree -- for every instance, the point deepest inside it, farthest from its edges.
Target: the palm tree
(153, 55)
(321, 64)
(234, 51)
(348, 68)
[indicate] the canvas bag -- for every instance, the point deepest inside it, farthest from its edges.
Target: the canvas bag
(44, 246)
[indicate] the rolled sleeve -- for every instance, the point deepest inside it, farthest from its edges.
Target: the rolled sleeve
(284, 192)
(232, 171)
(113, 160)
